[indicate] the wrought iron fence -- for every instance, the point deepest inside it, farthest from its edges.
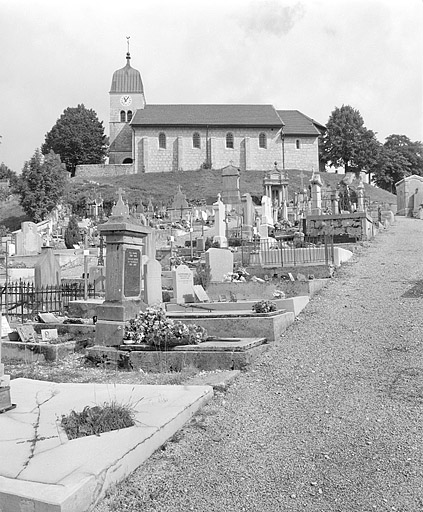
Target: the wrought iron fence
(21, 301)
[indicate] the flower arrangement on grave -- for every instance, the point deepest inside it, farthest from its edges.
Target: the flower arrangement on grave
(239, 274)
(264, 306)
(151, 327)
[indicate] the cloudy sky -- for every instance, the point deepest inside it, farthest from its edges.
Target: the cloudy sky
(309, 55)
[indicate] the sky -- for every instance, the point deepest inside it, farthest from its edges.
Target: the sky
(307, 55)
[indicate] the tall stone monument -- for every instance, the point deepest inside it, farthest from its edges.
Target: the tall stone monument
(220, 222)
(316, 194)
(123, 297)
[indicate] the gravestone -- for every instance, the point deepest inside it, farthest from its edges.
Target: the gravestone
(97, 277)
(230, 186)
(27, 240)
(47, 269)
(219, 262)
(49, 334)
(26, 333)
(183, 284)
(201, 294)
(153, 282)
(124, 269)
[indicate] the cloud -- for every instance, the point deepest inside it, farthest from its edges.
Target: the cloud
(273, 18)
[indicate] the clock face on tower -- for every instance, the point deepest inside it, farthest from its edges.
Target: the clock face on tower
(125, 100)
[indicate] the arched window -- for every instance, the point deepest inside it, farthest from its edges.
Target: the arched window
(122, 116)
(129, 115)
(196, 140)
(230, 140)
(162, 140)
(262, 140)
(297, 144)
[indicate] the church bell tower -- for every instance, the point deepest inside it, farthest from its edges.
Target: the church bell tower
(126, 97)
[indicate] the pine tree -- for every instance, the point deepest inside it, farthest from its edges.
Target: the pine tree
(41, 185)
(72, 234)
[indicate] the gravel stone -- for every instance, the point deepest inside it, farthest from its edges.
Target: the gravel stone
(329, 419)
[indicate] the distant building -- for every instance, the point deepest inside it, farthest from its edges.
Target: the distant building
(165, 138)
(410, 196)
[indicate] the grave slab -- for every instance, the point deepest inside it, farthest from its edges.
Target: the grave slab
(236, 354)
(40, 469)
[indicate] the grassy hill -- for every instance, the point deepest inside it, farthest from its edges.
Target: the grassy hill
(196, 185)
(202, 184)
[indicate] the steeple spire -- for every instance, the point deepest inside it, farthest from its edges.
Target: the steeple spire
(128, 55)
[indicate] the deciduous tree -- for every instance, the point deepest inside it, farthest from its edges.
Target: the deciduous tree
(399, 157)
(348, 143)
(78, 137)
(41, 185)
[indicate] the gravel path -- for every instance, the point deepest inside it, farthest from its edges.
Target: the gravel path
(330, 419)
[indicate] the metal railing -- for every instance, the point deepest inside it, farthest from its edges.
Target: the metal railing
(21, 301)
(281, 253)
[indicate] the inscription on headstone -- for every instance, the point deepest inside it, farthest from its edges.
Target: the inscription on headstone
(132, 282)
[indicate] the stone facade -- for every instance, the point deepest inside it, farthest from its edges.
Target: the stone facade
(301, 153)
(180, 155)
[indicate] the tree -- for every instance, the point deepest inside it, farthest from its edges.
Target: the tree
(41, 185)
(7, 174)
(348, 143)
(72, 233)
(399, 157)
(78, 137)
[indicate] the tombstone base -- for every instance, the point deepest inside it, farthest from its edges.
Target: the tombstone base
(111, 319)
(109, 333)
(119, 311)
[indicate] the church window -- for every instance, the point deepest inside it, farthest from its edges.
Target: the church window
(122, 116)
(262, 141)
(297, 144)
(230, 140)
(129, 115)
(196, 140)
(162, 140)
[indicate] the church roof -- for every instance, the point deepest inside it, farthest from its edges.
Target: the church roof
(297, 123)
(203, 115)
(127, 79)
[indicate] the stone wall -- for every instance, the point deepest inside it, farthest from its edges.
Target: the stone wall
(88, 171)
(357, 225)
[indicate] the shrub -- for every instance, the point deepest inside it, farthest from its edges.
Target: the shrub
(264, 306)
(97, 420)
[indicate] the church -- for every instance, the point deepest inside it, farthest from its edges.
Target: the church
(165, 138)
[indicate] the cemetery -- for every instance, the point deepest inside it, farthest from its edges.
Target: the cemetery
(209, 287)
